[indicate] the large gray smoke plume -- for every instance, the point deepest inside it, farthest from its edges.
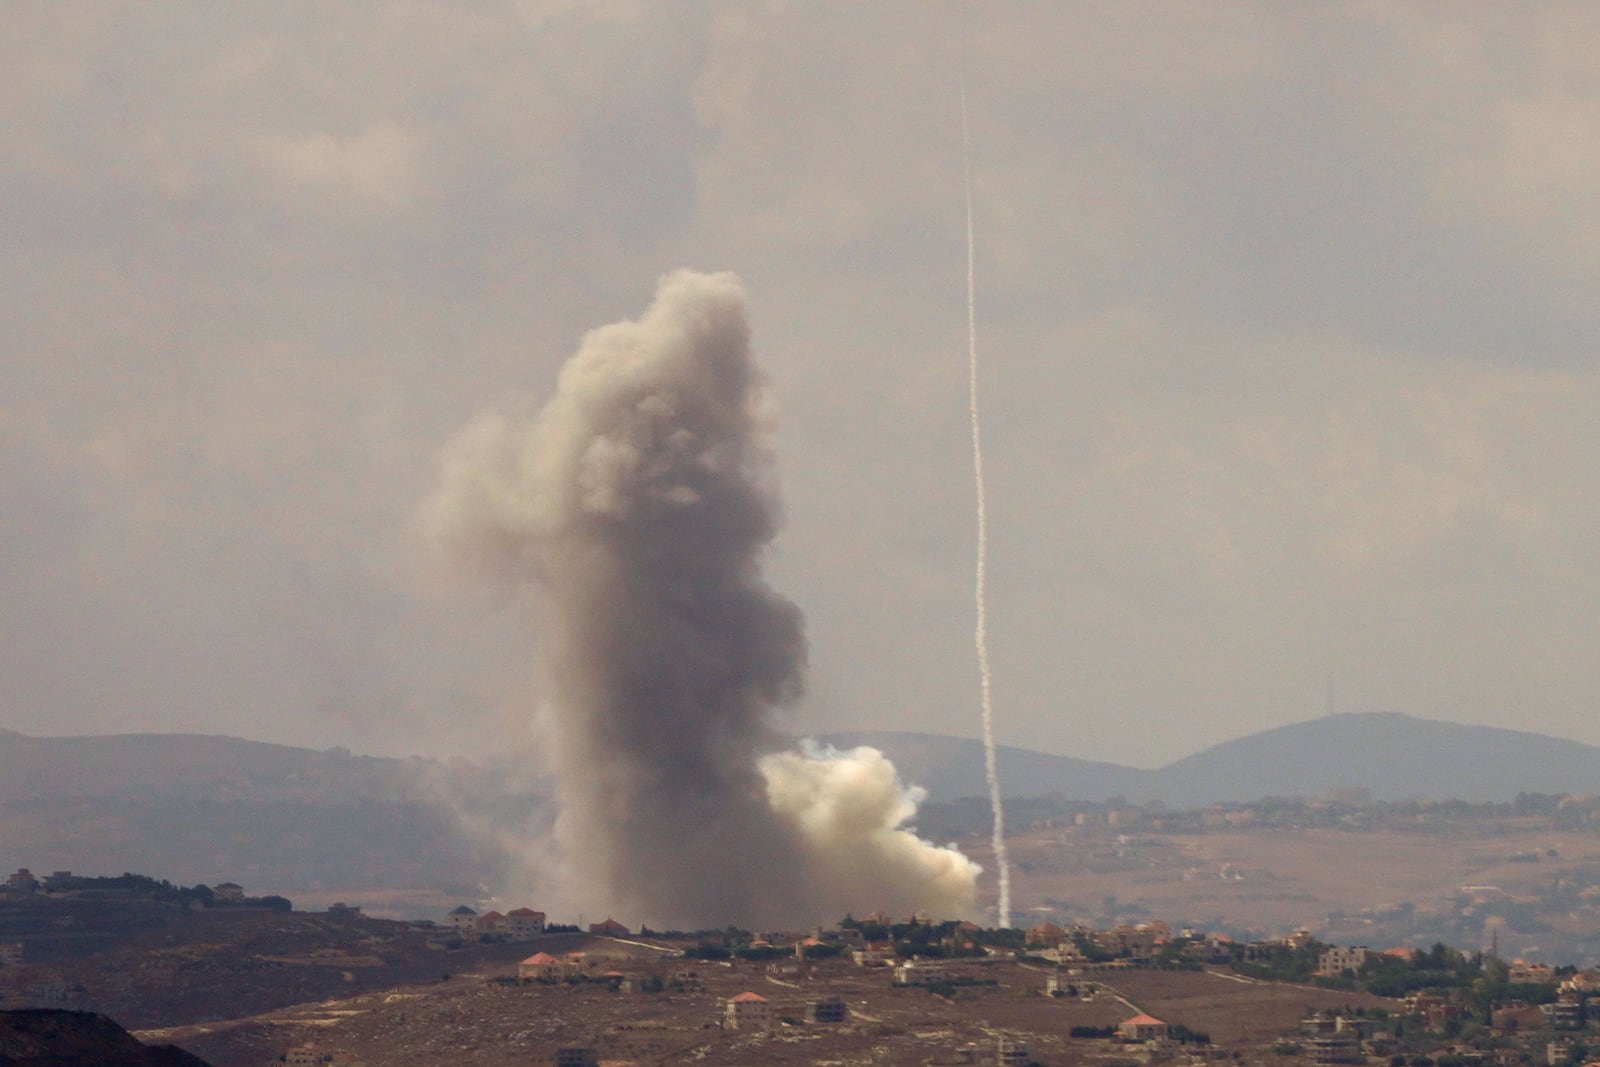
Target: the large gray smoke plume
(638, 504)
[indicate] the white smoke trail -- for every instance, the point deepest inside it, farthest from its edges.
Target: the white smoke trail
(981, 631)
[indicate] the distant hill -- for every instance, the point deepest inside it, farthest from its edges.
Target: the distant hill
(200, 808)
(1392, 756)
(278, 819)
(1388, 755)
(952, 767)
(194, 766)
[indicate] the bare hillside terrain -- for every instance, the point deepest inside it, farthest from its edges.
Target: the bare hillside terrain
(318, 825)
(1531, 883)
(484, 1019)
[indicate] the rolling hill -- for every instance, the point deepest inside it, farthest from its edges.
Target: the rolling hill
(278, 819)
(294, 821)
(1387, 755)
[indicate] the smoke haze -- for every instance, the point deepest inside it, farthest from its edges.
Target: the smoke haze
(636, 507)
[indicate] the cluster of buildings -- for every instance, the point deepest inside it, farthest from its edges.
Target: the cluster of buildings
(1081, 944)
(519, 924)
(544, 967)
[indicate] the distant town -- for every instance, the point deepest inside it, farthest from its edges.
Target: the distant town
(243, 979)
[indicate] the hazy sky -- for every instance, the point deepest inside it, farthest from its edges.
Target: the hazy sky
(1288, 319)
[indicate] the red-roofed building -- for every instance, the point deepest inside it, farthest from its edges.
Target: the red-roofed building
(1536, 973)
(490, 922)
(1142, 1028)
(541, 967)
(748, 1011)
(1045, 935)
(609, 928)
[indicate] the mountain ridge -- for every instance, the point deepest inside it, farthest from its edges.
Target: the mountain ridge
(1382, 754)
(202, 807)
(1389, 755)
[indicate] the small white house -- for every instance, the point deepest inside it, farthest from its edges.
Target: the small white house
(1142, 1027)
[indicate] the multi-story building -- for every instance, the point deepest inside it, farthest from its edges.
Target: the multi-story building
(1335, 961)
(748, 1011)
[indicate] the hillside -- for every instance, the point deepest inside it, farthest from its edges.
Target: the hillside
(276, 818)
(482, 1017)
(73, 1038)
(1388, 755)
(952, 767)
(310, 825)
(1392, 756)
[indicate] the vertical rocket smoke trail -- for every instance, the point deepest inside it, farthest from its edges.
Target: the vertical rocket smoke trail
(636, 508)
(981, 631)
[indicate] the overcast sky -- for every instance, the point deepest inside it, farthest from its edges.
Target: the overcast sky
(1288, 317)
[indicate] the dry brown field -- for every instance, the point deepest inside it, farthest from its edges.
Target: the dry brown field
(1275, 881)
(474, 1021)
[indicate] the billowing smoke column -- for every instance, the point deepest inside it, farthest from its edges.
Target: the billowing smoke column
(638, 504)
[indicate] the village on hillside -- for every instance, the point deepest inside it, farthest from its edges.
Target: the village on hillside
(917, 989)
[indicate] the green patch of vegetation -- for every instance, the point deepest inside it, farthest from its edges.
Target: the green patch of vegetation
(708, 950)
(762, 952)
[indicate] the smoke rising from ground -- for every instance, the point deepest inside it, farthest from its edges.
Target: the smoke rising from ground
(636, 507)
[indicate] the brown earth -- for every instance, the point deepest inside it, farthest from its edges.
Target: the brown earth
(476, 1020)
(1275, 881)
(46, 1038)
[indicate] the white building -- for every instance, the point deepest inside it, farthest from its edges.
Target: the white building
(1142, 1027)
(748, 1011)
(1336, 961)
(522, 923)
